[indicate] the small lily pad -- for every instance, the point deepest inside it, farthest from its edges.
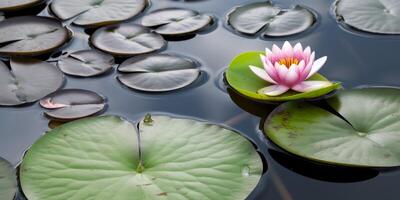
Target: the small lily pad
(12, 5)
(127, 40)
(86, 63)
(270, 20)
(158, 73)
(167, 158)
(375, 16)
(27, 81)
(71, 104)
(97, 12)
(246, 83)
(31, 36)
(176, 21)
(363, 130)
(8, 180)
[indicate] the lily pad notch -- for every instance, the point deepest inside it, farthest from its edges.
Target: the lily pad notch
(361, 129)
(166, 158)
(270, 20)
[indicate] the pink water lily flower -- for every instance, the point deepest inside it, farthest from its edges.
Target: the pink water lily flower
(289, 68)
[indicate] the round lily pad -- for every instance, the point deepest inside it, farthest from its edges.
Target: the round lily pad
(176, 21)
(70, 104)
(362, 129)
(8, 180)
(27, 80)
(12, 5)
(270, 20)
(158, 73)
(86, 63)
(127, 40)
(245, 82)
(167, 158)
(31, 36)
(375, 16)
(97, 12)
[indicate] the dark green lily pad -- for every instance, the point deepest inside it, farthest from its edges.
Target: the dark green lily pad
(97, 12)
(27, 81)
(176, 21)
(375, 16)
(86, 63)
(245, 82)
(270, 20)
(366, 134)
(71, 104)
(127, 40)
(167, 158)
(8, 180)
(31, 36)
(12, 5)
(158, 73)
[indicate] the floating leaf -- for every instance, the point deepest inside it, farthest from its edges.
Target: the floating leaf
(375, 16)
(167, 158)
(31, 36)
(176, 21)
(86, 63)
(126, 40)
(97, 12)
(245, 82)
(70, 104)
(28, 80)
(363, 130)
(158, 73)
(271, 20)
(8, 181)
(12, 5)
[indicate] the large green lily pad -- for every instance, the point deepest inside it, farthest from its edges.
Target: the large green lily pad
(364, 133)
(8, 180)
(244, 81)
(375, 16)
(97, 12)
(167, 158)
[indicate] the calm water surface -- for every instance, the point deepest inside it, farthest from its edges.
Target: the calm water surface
(354, 58)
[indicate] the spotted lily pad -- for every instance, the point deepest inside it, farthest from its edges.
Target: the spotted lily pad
(363, 129)
(126, 40)
(86, 63)
(27, 81)
(176, 21)
(8, 181)
(270, 20)
(375, 16)
(167, 158)
(245, 82)
(12, 5)
(158, 73)
(97, 12)
(70, 104)
(31, 36)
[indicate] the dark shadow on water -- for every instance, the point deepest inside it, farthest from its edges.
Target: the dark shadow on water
(319, 171)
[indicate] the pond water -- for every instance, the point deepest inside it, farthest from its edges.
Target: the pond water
(354, 58)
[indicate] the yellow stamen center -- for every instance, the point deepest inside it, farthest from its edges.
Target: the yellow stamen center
(288, 61)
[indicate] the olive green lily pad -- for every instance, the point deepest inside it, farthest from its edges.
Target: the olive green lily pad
(176, 21)
(8, 180)
(363, 130)
(97, 12)
(126, 39)
(31, 36)
(167, 158)
(245, 82)
(270, 20)
(375, 16)
(12, 5)
(158, 73)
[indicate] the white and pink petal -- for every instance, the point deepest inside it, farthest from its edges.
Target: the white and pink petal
(262, 74)
(274, 90)
(307, 86)
(317, 66)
